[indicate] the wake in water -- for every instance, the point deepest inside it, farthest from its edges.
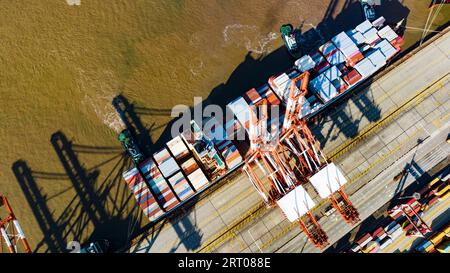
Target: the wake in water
(99, 92)
(249, 37)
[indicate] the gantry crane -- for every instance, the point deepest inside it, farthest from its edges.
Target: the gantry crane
(297, 138)
(281, 187)
(10, 229)
(421, 229)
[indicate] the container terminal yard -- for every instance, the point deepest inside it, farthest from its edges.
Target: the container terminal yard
(345, 151)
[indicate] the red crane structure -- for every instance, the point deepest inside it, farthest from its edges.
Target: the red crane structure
(290, 157)
(325, 177)
(10, 229)
(411, 211)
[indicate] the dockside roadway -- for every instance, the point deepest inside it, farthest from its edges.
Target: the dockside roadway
(398, 120)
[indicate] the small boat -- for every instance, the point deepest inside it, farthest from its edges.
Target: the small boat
(291, 40)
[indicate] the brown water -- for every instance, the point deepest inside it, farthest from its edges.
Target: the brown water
(61, 66)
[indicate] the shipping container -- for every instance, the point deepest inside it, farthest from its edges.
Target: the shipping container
(198, 179)
(160, 187)
(371, 36)
(328, 49)
(143, 196)
(336, 58)
(364, 26)
(305, 63)
(181, 186)
(356, 36)
(377, 58)
(352, 77)
(387, 33)
(365, 240)
(178, 148)
(386, 49)
(365, 67)
(385, 242)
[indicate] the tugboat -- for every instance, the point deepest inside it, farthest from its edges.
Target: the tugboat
(291, 38)
(130, 146)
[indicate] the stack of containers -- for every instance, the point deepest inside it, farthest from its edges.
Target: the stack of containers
(305, 63)
(371, 36)
(166, 163)
(322, 86)
(377, 58)
(178, 181)
(241, 110)
(281, 84)
(348, 48)
(159, 186)
(310, 105)
(178, 149)
(334, 75)
(266, 93)
(197, 177)
(321, 63)
(333, 55)
(364, 240)
(181, 186)
(381, 237)
(365, 68)
(352, 77)
(252, 96)
(394, 230)
(372, 247)
(426, 247)
(386, 49)
(142, 194)
(390, 35)
(225, 147)
(356, 36)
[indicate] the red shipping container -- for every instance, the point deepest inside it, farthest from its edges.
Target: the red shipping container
(252, 96)
(352, 77)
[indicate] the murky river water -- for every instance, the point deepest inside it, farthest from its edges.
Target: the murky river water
(61, 66)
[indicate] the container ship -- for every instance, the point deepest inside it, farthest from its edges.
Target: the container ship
(195, 159)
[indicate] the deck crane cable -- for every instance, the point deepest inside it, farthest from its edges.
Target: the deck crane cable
(429, 23)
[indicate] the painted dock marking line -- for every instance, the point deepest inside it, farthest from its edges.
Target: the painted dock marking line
(420, 95)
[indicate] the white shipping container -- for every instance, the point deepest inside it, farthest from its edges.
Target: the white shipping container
(198, 179)
(332, 73)
(168, 167)
(305, 63)
(385, 243)
(357, 37)
(388, 33)
(386, 48)
(371, 35)
(342, 40)
(364, 26)
(365, 67)
(327, 92)
(350, 51)
(377, 58)
(327, 48)
(177, 146)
